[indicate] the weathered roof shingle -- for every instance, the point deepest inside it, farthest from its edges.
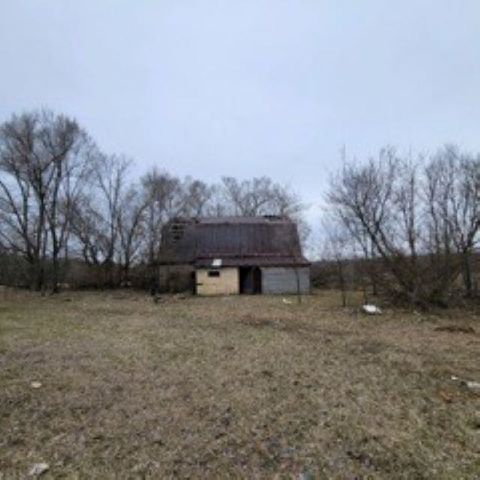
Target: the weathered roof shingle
(236, 240)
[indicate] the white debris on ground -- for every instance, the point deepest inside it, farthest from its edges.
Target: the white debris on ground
(36, 384)
(286, 301)
(38, 469)
(371, 310)
(475, 386)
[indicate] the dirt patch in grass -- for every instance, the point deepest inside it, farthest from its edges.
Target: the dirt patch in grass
(233, 388)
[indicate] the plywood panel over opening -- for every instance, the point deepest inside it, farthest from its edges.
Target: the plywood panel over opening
(221, 281)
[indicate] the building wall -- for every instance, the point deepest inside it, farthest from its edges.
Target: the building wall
(175, 278)
(225, 284)
(277, 280)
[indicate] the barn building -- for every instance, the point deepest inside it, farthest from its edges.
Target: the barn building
(232, 255)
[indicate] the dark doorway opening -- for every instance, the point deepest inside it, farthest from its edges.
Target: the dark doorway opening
(193, 282)
(250, 280)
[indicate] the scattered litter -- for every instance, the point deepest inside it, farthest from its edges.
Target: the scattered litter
(38, 469)
(36, 384)
(286, 301)
(371, 310)
(473, 386)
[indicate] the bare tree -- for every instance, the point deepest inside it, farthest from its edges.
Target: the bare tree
(42, 162)
(362, 197)
(166, 200)
(198, 197)
(69, 149)
(131, 228)
(339, 248)
(453, 196)
(258, 196)
(373, 199)
(96, 219)
(417, 219)
(261, 196)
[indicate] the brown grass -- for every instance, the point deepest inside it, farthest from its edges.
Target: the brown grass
(237, 387)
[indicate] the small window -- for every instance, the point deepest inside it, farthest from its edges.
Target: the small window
(213, 273)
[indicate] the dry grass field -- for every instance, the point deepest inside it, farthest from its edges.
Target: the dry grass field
(237, 387)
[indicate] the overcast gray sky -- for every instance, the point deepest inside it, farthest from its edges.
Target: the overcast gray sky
(248, 87)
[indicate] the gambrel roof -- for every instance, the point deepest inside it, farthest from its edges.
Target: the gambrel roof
(267, 240)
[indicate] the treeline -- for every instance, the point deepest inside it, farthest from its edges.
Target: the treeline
(63, 201)
(413, 220)
(407, 227)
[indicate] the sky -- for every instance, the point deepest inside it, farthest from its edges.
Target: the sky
(247, 88)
